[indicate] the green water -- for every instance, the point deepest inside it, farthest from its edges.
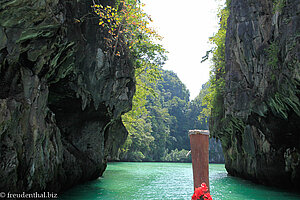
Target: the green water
(130, 181)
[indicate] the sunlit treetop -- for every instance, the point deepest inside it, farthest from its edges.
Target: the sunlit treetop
(127, 26)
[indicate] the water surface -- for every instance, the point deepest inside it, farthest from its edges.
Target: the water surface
(132, 181)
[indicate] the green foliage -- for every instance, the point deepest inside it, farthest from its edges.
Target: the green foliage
(164, 112)
(234, 125)
(278, 5)
(161, 113)
(175, 97)
(196, 107)
(160, 119)
(127, 28)
(172, 87)
(214, 97)
(161, 129)
(138, 120)
(286, 99)
(177, 156)
(272, 53)
(170, 115)
(126, 31)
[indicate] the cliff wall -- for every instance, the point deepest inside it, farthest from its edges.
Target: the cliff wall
(61, 97)
(260, 124)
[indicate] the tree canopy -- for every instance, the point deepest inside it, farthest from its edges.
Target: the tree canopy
(161, 114)
(161, 132)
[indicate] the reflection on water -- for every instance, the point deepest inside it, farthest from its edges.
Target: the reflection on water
(130, 181)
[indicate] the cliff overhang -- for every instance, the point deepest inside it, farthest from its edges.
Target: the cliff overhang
(61, 96)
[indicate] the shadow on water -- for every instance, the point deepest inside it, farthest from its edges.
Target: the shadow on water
(224, 186)
(130, 181)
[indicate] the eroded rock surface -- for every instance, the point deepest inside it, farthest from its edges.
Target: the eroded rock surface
(260, 126)
(61, 97)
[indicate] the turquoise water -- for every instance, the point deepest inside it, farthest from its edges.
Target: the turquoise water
(132, 181)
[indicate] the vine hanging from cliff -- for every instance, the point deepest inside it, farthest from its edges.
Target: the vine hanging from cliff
(213, 100)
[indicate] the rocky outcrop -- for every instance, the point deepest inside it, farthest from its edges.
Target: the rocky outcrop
(215, 151)
(259, 128)
(61, 97)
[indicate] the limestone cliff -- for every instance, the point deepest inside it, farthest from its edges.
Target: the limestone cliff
(61, 97)
(260, 123)
(215, 151)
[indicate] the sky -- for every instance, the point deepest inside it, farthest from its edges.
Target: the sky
(186, 27)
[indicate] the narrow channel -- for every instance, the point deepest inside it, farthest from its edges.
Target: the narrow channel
(136, 180)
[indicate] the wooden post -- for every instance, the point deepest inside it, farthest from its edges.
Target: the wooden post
(199, 140)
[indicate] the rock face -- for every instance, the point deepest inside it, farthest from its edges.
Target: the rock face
(260, 125)
(61, 97)
(215, 151)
